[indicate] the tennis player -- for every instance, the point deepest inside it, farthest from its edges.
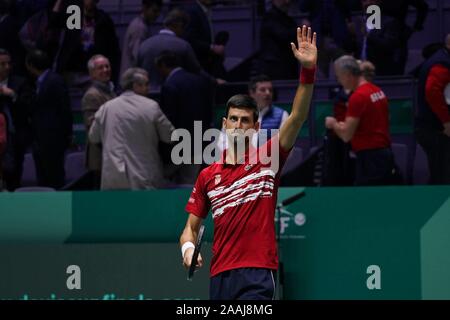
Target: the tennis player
(242, 194)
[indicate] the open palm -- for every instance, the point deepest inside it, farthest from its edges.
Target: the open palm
(306, 53)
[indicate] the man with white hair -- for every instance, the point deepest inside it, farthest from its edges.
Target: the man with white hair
(433, 119)
(100, 91)
(366, 126)
(130, 128)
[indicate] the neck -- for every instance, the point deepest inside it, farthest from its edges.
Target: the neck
(234, 155)
(89, 13)
(361, 81)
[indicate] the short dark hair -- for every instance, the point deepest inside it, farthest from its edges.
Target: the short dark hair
(256, 79)
(176, 16)
(167, 58)
(38, 59)
(4, 52)
(149, 3)
(243, 101)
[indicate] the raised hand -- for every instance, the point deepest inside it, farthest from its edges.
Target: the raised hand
(306, 53)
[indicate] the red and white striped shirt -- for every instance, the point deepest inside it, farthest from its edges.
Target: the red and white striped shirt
(242, 199)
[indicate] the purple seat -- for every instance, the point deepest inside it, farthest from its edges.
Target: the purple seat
(74, 165)
(29, 171)
(420, 173)
(401, 157)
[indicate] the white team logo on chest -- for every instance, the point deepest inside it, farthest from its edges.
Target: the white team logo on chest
(217, 179)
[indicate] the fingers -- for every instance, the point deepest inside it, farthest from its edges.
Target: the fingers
(199, 261)
(293, 47)
(305, 34)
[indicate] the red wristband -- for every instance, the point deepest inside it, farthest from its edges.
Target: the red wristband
(308, 75)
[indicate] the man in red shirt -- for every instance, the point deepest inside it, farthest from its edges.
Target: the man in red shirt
(366, 125)
(433, 119)
(242, 194)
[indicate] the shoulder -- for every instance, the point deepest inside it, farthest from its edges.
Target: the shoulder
(103, 17)
(54, 79)
(278, 110)
(92, 90)
(136, 23)
(208, 172)
(358, 97)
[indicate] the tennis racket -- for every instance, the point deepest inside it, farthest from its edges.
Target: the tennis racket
(198, 246)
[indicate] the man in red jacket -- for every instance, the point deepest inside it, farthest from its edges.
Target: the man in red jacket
(366, 126)
(433, 119)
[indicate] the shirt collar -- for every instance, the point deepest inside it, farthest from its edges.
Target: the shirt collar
(167, 31)
(246, 157)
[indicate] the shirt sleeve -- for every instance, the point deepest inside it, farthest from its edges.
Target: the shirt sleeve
(198, 203)
(357, 105)
(437, 79)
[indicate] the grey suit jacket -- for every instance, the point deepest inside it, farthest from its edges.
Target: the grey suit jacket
(130, 128)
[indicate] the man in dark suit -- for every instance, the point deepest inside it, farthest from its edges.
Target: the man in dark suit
(200, 34)
(14, 103)
(169, 38)
(277, 29)
(51, 121)
(97, 36)
(185, 97)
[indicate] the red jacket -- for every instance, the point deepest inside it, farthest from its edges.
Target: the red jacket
(438, 78)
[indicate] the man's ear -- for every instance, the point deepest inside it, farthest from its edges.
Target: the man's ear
(224, 123)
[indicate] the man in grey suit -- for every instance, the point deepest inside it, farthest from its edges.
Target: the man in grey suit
(130, 128)
(169, 39)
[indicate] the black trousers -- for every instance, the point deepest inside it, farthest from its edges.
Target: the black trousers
(50, 170)
(437, 148)
(376, 167)
(338, 167)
